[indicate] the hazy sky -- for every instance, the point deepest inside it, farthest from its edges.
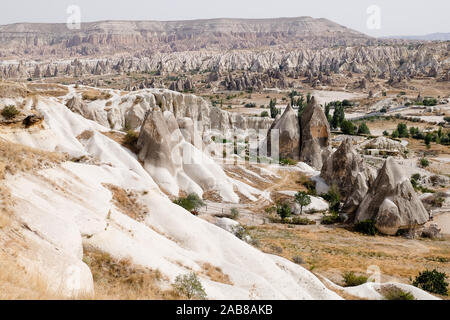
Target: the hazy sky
(397, 17)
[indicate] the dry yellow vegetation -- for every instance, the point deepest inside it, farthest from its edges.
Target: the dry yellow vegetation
(330, 250)
(92, 95)
(121, 279)
(215, 274)
(127, 203)
(18, 284)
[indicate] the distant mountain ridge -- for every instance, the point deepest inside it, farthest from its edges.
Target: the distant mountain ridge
(173, 36)
(438, 36)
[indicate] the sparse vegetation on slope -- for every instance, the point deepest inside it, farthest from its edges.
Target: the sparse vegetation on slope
(121, 279)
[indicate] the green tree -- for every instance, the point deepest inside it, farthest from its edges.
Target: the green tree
(303, 199)
(347, 127)
(273, 109)
(428, 138)
(283, 210)
(432, 281)
(402, 130)
(190, 203)
(363, 128)
(334, 198)
(189, 285)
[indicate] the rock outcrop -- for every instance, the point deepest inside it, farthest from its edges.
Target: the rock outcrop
(174, 163)
(315, 135)
(287, 127)
(392, 202)
(346, 169)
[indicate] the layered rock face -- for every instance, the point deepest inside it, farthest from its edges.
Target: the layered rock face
(172, 36)
(392, 202)
(346, 169)
(315, 135)
(174, 163)
(287, 128)
(128, 111)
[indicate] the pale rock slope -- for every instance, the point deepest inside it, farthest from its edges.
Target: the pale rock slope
(68, 206)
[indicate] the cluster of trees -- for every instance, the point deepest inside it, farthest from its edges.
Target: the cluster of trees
(437, 136)
(274, 111)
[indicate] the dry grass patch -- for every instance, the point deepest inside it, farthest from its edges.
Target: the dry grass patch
(18, 284)
(18, 158)
(48, 89)
(332, 251)
(127, 203)
(121, 279)
(12, 90)
(92, 95)
(215, 274)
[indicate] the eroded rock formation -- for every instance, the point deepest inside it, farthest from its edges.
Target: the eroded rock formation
(315, 135)
(392, 202)
(346, 169)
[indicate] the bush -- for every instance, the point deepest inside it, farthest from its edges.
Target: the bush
(424, 162)
(432, 281)
(385, 133)
(402, 130)
(283, 210)
(363, 129)
(347, 127)
(190, 203)
(334, 198)
(394, 293)
(10, 112)
(264, 114)
(250, 105)
(352, 280)
(234, 213)
(301, 221)
(366, 227)
(331, 218)
(131, 137)
(287, 161)
(189, 286)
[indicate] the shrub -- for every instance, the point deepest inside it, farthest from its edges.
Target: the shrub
(352, 280)
(190, 203)
(385, 133)
(331, 218)
(264, 114)
(366, 227)
(131, 137)
(363, 129)
(424, 162)
(402, 130)
(301, 221)
(334, 198)
(283, 210)
(10, 112)
(250, 105)
(287, 161)
(394, 293)
(432, 281)
(234, 213)
(189, 286)
(347, 127)
(303, 199)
